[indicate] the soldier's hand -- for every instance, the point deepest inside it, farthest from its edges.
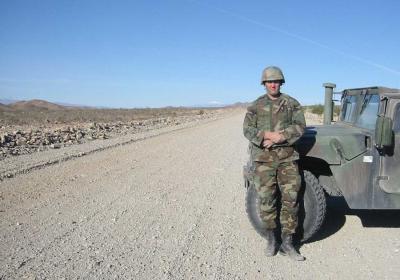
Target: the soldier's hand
(267, 143)
(275, 137)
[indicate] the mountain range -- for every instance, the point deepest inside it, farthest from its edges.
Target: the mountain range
(37, 104)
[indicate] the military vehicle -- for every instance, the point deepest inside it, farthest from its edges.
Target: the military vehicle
(357, 157)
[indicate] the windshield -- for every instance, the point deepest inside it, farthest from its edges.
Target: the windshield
(362, 110)
(348, 109)
(369, 112)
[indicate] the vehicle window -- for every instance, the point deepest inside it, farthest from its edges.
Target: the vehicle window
(368, 112)
(349, 106)
(396, 126)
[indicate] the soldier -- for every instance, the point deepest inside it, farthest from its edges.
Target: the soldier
(273, 123)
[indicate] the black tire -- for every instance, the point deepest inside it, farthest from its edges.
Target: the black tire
(312, 207)
(311, 213)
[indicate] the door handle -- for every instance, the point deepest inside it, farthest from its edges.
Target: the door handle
(367, 141)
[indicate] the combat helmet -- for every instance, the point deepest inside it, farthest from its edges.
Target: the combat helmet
(272, 73)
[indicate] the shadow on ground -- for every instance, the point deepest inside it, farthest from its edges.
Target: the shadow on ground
(337, 210)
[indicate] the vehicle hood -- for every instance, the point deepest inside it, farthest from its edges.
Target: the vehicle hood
(334, 143)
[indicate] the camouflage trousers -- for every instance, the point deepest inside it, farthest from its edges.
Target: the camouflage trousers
(268, 177)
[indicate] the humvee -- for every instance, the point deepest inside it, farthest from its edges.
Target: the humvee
(357, 157)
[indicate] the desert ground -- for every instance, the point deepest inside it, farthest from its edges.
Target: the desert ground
(165, 202)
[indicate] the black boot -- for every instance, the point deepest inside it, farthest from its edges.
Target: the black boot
(288, 249)
(270, 250)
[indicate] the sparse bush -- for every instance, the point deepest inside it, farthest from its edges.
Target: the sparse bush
(317, 109)
(72, 115)
(336, 110)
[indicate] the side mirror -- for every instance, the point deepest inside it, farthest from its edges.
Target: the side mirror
(383, 132)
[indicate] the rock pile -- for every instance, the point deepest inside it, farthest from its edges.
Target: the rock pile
(19, 141)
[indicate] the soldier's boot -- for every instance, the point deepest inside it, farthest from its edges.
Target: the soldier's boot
(270, 250)
(287, 248)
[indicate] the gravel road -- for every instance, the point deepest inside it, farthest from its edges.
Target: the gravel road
(170, 207)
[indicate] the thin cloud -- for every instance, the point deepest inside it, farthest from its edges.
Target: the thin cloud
(299, 37)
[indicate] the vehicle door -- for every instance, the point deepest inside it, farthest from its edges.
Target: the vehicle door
(389, 172)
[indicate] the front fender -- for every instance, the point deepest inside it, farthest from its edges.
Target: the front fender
(334, 144)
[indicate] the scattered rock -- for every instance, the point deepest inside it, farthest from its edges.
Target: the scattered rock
(55, 146)
(17, 142)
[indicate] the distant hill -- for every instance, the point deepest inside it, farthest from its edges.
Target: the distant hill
(4, 108)
(240, 104)
(43, 104)
(35, 104)
(7, 101)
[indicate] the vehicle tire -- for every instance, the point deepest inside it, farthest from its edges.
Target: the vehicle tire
(312, 208)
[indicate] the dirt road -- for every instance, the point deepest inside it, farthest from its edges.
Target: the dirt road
(169, 207)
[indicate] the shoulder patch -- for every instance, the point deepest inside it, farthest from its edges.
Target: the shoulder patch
(290, 100)
(260, 97)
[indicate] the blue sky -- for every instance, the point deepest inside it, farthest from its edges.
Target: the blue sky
(183, 52)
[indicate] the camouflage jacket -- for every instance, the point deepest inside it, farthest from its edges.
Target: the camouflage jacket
(283, 114)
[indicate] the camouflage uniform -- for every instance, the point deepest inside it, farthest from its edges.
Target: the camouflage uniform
(276, 166)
